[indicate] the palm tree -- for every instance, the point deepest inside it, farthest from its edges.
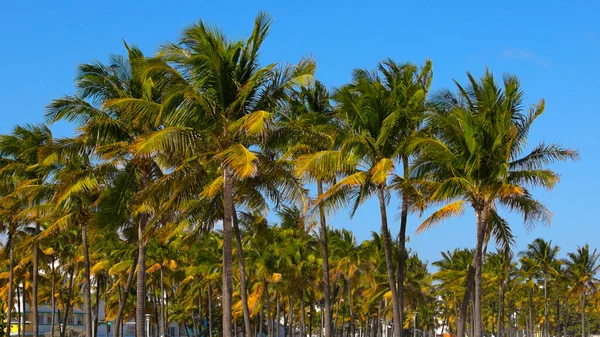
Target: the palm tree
(20, 153)
(475, 157)
(215, 111)
(109, 130)
(581, 268)
(541, 255)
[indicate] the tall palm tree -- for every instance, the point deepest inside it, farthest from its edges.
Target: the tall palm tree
(581, 268)
(541, 255)
(475, 157)
(216, 111)
(109, 130)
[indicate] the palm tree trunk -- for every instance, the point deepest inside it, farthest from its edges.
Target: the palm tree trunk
(501, 310)
(20, 312)
(379, 317)
(583, 313)
(350, 311)
(302, 316)
(87, 297)
(461, 322)
(140, 294)
(546, 322)
(34, 285)
(481, 215)
(402, 245)
(123, 301)
(387, 245)
(291, 316)
(161, 303)
(241, 263)
(269, 317)
(325, 256)
(227, 254)
(96, 307)
(68, 302)
(11, 276)
(53, 299)
(210, 330)
(531, 325)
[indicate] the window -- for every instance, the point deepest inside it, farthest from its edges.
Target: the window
(172, 331)
(49, 319)
(79, 318)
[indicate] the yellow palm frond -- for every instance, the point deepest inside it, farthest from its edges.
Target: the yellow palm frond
(452, 209)
(241, 160)
(381, 170)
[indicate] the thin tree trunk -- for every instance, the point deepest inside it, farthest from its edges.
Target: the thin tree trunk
(501, 310)
(302, 316)
(53, 299)
(481, 215)
(531, 325)
(227, 254)
(277, 315)
(461, 323)
(379, 332)
(87, 296)
(350, 311)
(200, 319)
(402, 246)
(387, 245)
(325, 256)
(19, 312)
(161, 303)
(97, 307)
(241, 263)
(583, 314)
(268, 306)
(11, 276)
(546, 322)
(291, 316)
(210, 330)
(140, 294)
(68, 304)
(34, 285)
(123, 301)
(260, 323)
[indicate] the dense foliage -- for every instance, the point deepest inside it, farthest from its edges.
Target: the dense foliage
(159, 201)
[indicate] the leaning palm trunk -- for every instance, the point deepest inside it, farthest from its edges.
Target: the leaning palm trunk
(11, 275)
(227, 255)
(325, 256)
(86, 282)
(241, 262)
(387, 245)
(123, 301)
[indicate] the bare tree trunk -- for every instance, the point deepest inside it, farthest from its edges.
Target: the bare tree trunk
(387, 245)
(531, 325)
(161, 303)
(123, 301)
(241, 263)
(379, 332)
(461, 323)
(11, 280)
(19, 312)
(97, 306)
(269, 317)
(278, 314)
(325, 256)
(291, 316)
(227, 253)
(350, 311)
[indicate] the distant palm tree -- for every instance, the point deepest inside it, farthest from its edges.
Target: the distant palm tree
(542, 257)
(581, 268)
(475, 157)
(21, 193)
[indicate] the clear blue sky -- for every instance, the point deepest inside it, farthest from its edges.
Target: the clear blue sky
(554, 47)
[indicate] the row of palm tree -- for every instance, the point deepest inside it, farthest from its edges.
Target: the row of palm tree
(201, 134)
